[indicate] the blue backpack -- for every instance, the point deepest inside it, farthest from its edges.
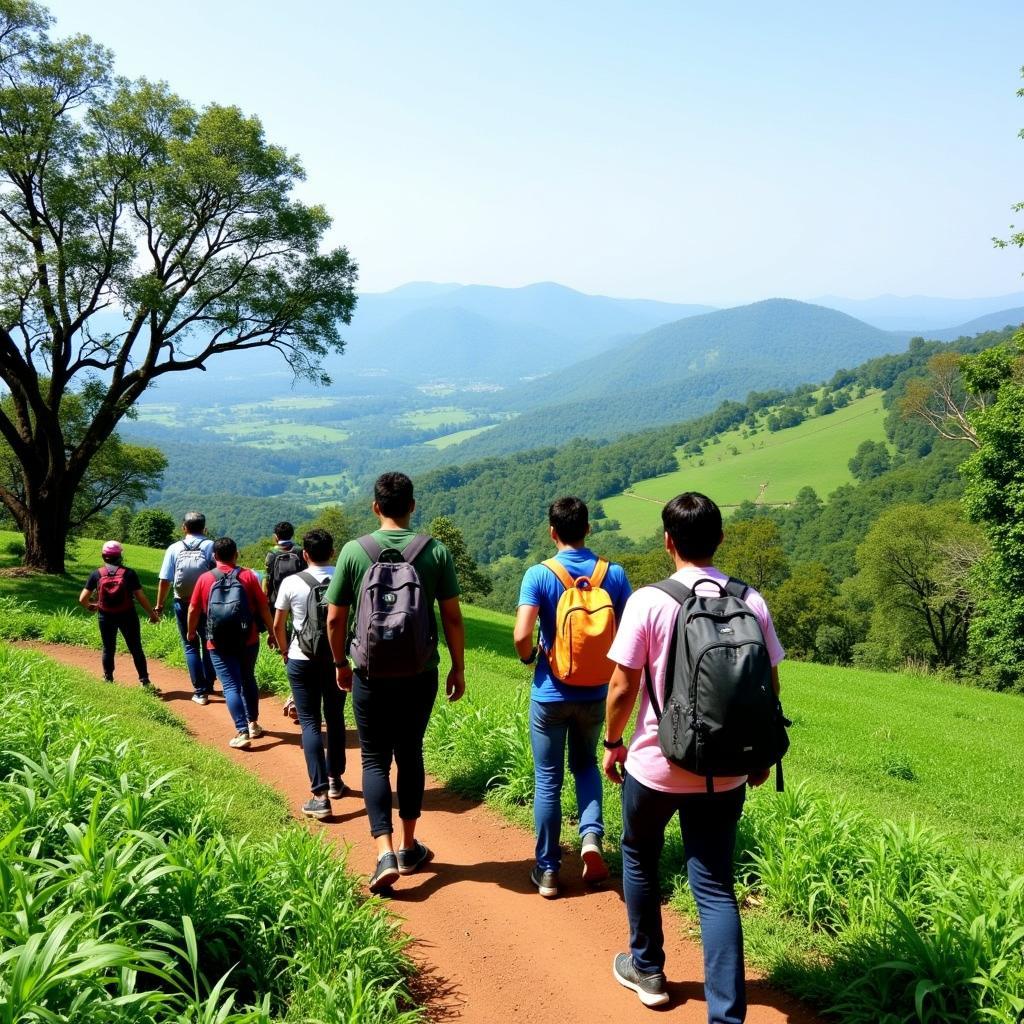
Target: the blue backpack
(229, 617)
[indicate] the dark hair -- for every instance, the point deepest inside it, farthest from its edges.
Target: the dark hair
(694, 522)
(318, 544)
(569, 518)
(225, 549)
(112, 559)
(393, 494)
(284, 530)
(194, 522)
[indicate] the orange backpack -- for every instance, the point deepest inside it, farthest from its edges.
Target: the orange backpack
(584, 627)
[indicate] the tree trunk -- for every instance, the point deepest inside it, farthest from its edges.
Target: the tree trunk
(46, 534)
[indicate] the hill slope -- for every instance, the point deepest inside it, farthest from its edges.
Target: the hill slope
(989, 322)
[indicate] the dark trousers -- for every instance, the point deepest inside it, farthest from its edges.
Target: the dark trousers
(128, 624)
(708, 822)
(318, 700)
(197, 657)
(392, 716)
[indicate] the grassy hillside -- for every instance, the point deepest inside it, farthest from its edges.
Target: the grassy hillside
(733, 470)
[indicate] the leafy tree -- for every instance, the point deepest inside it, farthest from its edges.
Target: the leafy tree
(119, 523)
(472, 581)
(752, 551)
(870, 460)
(802, 606)
(152, 528)
(139, 236)
(335, 520)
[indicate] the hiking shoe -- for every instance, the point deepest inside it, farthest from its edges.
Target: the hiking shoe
(108, 679)
(546, 881)
(255, 730)
(200, 698)
(386, 873)
(318, 806)
(336, 789)
(411, 860)
(595, 870)
(240, 740)
(649, 987)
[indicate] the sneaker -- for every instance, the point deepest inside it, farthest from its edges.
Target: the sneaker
(546, 881)
(595, 870)
(108, 679)
(386, 873)
(411, 860)
(255, 730)
(649, 987)
(318, 806)
(240, 740)
(200, 698)
(336, 788)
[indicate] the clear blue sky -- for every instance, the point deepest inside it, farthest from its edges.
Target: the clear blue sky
(682, 150)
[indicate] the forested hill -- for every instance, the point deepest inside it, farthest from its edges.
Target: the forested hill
(684, 369)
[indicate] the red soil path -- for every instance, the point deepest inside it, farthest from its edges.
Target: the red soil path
(489, 948)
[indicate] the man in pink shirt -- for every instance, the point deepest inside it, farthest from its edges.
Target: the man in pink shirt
(654, 790)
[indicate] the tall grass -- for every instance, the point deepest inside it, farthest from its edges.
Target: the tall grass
(124, 896)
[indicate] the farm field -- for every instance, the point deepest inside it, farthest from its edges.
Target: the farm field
(281, 434)
(734, 468)
(429, 419)
(448, 440)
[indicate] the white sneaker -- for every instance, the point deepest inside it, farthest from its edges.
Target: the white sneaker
(255, 730)
(239, 741)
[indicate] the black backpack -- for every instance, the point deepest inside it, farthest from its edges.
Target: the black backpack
(312, 638)
(281, 565)
(229, 617)
(721, 715)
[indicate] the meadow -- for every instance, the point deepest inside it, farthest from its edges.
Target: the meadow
(733, 467)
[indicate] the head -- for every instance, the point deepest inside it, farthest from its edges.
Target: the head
(318, 546)
(569, 521)
(283, 531)
(194, 523)
(112, 553)
(393, 498)
(225, 550)
(693, 527)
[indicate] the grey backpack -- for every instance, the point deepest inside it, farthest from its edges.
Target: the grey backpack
(721, 715)
(312, 638)
(189, 564)
(395, 633)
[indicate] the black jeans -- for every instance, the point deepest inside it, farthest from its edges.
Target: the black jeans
(128, 624)
(392, 716)
(318, 700)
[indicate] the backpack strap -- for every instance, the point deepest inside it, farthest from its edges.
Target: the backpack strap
(416, 547)
(308, 578)
(599, 573)
(371, 547)
(737, 588)
(679, 592)
(561, 572)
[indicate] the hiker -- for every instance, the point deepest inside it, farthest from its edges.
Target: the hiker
(655, 789)
(184, 562)
(233, 605)
(382, 614)
(284, 560)
(310, 667)
(570, 683)
(117, 588)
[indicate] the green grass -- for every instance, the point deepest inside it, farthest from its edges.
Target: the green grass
(447, 440)
(278, 435)
(814, 454)
(428, 419)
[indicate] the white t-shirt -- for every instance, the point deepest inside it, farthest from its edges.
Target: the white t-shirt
(291, 597)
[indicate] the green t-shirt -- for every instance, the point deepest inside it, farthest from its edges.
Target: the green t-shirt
(434, 564)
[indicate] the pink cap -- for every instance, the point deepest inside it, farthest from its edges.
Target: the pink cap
(112, 547)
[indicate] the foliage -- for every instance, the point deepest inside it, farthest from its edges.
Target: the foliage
(803, 606)
(870, 460)
(140, 236)
(152, 528)
(472, 581)
(752, 551)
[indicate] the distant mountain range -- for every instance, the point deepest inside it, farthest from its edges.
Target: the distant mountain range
(920, 314)
(989, 322)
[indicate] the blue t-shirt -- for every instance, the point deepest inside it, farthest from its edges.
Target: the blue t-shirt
(541, 589)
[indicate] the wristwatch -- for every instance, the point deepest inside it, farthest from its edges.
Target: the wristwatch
(613, 744)
(341, 664)
(532, 658)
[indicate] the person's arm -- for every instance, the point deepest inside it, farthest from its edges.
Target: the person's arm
(194, 614)
(337, 637)
(280, 620)
(455, 637)
(623, 687)
(86, 601)
(162, 589)
(522, 635)
(140, 596)
(263, 610)
(776, 685)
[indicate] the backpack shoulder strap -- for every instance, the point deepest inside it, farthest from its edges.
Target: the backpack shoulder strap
(308, 578)
(560, 571)
(737, 588)
(416, 547)
(371, 547)
(676, 590)
(599, 573)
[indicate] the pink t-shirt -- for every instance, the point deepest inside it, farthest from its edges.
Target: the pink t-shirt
(644, 637)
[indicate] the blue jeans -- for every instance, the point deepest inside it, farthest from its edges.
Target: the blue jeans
(550, 725)
(237, 675)
(318, 699)
(197, 657)
(708, 822)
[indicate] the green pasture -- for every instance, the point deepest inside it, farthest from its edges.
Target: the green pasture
(733, 470)
(284, 403)
(448, 440)
(279, 435)
(429, 419)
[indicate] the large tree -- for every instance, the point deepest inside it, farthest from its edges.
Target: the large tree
(139, 236)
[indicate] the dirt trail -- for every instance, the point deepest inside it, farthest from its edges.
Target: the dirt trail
(489, 946)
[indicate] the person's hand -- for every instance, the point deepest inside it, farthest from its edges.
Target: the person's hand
(93, 607)
(455, 685)
(192, 636)
(344, 677)
(615, 764)
(271, 641)
(159, 613)
(758, 778)
(154, 616)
